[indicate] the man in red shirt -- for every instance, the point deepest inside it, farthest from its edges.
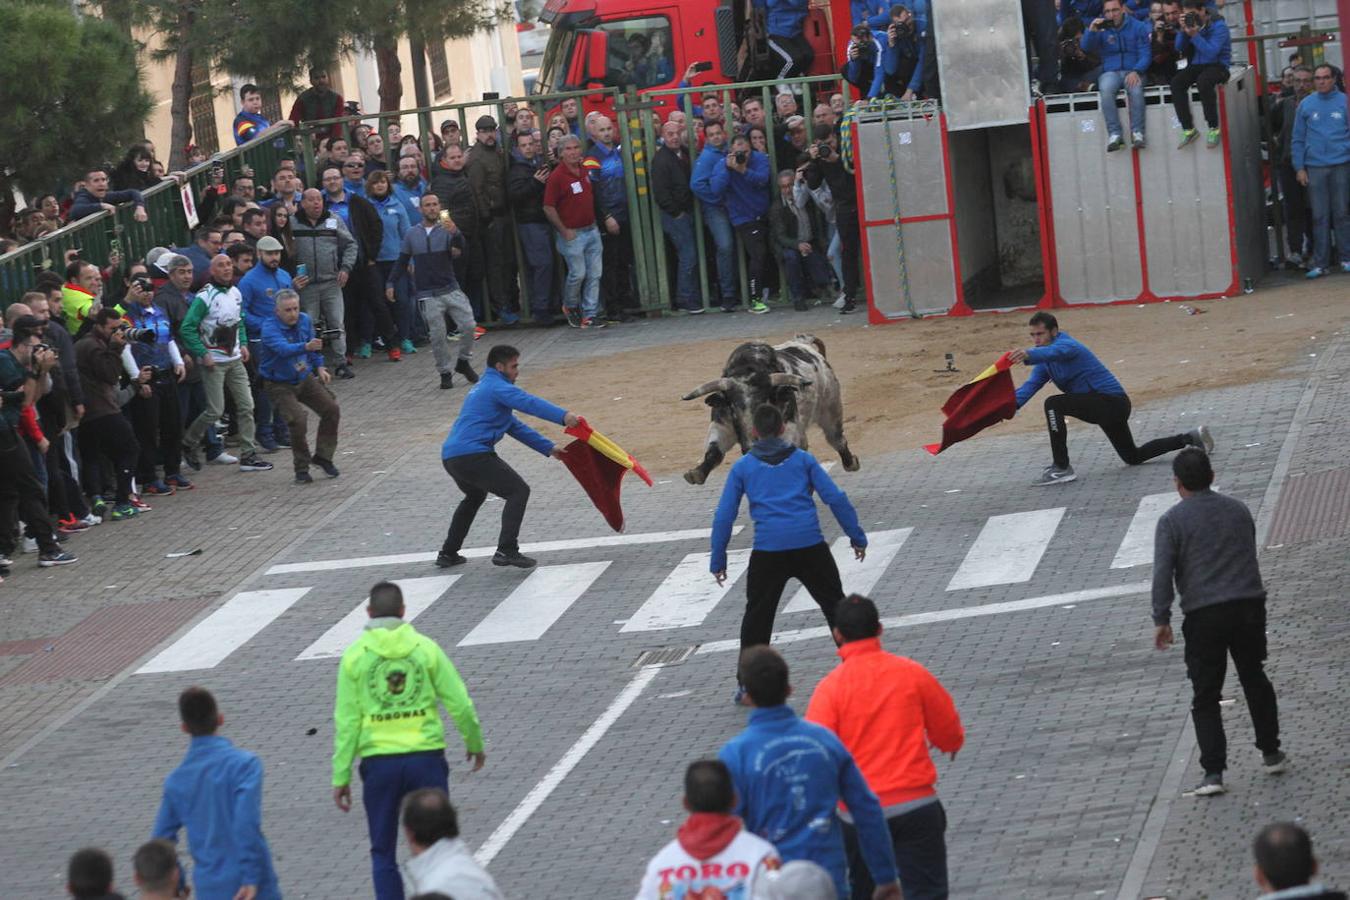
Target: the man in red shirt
(886, 709)
(569, 206)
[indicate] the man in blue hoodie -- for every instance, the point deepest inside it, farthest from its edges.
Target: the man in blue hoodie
(293, 377)
(469, 455)
(781, 482)
(260, 289)
(1123, 44)
(1321, 159)
(710, 159)
(1205, 34)
(1090, 393)
(790, 776)
(743, 179)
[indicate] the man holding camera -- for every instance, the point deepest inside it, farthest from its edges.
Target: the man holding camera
(744, 181)
(826, 166)
(155, 413)
(104, 431)
(1206, 35)
(294, 376)
(525, 179)
(23, 369)
(1122, 44)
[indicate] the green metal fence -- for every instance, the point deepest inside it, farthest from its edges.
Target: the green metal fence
(97, 236)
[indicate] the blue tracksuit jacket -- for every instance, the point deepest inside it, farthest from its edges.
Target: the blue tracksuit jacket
(487, 415)
(259, 288)
(394, 214)
(710, 159)
(1321, 131)
(284, 357)
(785, 17)
(790, 775)
(1212, 43)
(1123, 49)
(1071, 366)
(746, 196)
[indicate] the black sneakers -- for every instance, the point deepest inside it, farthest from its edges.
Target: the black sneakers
(251, 463)
(304, 478)
(327, 465)
(447, 560)
(447, 381)
(463, 368)
(516, 559)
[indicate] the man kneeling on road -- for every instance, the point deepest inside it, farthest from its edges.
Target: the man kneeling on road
(1090, 393)
(294, 377)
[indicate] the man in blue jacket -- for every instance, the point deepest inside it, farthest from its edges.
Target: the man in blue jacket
(790, 776)
(1090, 393)
(1123, 44)
(710, 159)
(1321, 160)
(260, 289)
(743, 179)
(781, 482)
(470, 458)
(294, 377)
(1205, 33)
(216, 794)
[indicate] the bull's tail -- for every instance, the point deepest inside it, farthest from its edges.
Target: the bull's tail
(812, 339)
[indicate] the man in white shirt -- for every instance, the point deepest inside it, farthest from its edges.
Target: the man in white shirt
(441, 862)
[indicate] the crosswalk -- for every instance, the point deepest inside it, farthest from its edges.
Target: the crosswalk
(1007, 551)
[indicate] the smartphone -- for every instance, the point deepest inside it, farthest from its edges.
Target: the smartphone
(115, 246)
(301, 270)
(704, 66)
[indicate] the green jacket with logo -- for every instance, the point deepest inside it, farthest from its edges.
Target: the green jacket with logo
(389, 682)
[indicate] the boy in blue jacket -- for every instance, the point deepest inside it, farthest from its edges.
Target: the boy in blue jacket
(790, 776)
(1090, 393)
(780, 481)
(1205, 34)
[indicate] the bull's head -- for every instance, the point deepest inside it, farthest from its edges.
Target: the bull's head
(722, 385)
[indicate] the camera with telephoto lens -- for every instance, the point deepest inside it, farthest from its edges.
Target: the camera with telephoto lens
(823, 149)
(1191, 20)
(139, 335)
(329, 334)
(741, 157)
(143, 282)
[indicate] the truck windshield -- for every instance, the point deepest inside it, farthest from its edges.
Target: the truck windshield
(553, 67)
(640, 53)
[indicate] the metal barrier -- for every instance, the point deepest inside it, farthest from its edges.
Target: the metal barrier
(97, 236)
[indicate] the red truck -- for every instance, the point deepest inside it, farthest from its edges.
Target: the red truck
(649, 44)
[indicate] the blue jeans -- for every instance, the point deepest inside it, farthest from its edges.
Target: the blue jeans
(681, 233)
(1107, 87)
(584, 256)
(385, 781)
(805, 273)
(536, 246)
(719, 224)
(1329, 193)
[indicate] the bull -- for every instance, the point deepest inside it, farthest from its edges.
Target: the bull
(795, 377)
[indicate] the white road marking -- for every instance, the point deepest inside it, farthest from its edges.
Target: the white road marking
(1008, 549)
(1137, 547)
(563, 767)
(418, 594)
(536, 604)
(224, 631)
(688, 594)
(399, 559)
(950, 615)
(858, 577)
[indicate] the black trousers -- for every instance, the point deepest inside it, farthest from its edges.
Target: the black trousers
(365, 308)
(768, 574)
(1207, 78)
(158, 423)
(919, 838)
(1213, 633)
(21, 495)
(850, 247)
(1111, 412)
(478, 475)
(789, 56)
(109, 437)
(1298, 235)
(616, 272)
(500, 258)
(469, 273)
(755, 239)
(1038, 20)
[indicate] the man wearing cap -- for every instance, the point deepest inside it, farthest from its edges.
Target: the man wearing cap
(487, 178)
(259, 289)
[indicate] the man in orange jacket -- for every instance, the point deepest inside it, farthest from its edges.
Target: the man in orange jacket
(886, 710)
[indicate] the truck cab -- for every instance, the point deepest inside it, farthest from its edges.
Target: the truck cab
(647, 45)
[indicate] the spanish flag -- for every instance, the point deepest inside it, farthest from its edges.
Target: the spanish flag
(599, 465)
(985, 400)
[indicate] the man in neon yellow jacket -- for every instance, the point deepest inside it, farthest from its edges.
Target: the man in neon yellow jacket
(389, 683)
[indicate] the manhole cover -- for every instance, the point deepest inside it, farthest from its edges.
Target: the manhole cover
(664, 656)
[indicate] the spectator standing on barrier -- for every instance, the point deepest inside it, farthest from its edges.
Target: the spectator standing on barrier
(432, 246)
(790, 224)
(1206, 33)
(711, 159)
(95, 196)
(155, 414)
(743, 180)
(318, 101)
(863, 66)
(293, 377)
(826, 166)
(1038, 20)
(903, 56)
(451, 185)
(1321, 157)
(216, 794)
(440, 862)
(1090, 393)
(569, 206)
(887, 710)
(104, 431)
(486, 165)
(1122, 44)
(526, 179)
(604, 164)
(259, 290)
(391, 683)
(1285, 865)
(1163, 53)
(790, 776)
(783, 23)
(670, 189)
(1298, 233)
(249, 122)
(1205, 548)
(713, 850)
(325, 255)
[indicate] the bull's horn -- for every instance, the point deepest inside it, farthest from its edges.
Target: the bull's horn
(711, 387)
(787, 379)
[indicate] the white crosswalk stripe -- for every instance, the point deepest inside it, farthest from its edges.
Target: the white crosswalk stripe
(536, 604)
(224, 631)
(1137, 547)
(858, 577)
(1008, 549)
(688, 594)
(418, 594)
